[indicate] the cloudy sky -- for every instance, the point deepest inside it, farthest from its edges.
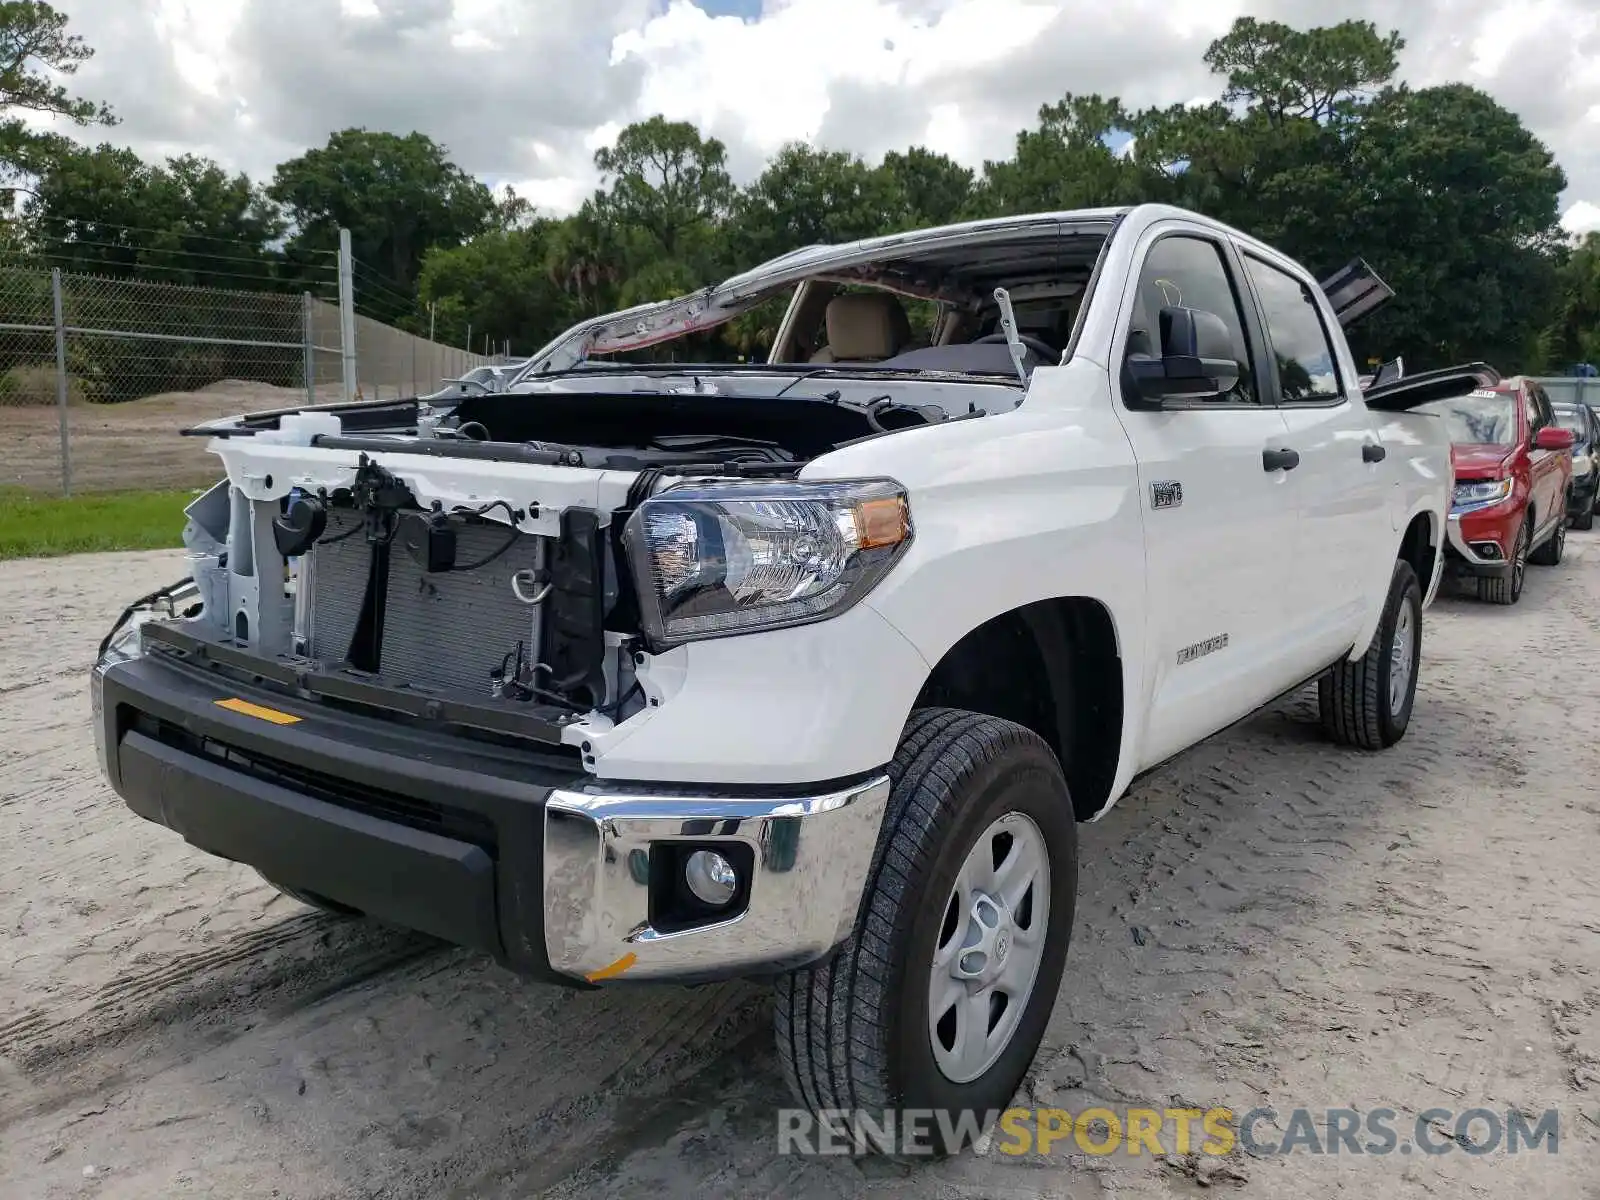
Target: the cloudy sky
(522, 91)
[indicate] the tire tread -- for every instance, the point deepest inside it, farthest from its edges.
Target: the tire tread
(1349, 697)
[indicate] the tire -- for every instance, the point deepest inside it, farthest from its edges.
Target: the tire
(1363, 703)
(312, 900)
(855, 1033)
(1508, 590)
(1585, 519)
(1554, 548)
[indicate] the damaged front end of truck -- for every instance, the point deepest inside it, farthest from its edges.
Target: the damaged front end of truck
(544, 671)
(386, 682)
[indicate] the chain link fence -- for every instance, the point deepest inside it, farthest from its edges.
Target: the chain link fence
(389, 362)
(99, 375)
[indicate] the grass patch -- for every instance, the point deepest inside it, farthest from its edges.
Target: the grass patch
(32, 525)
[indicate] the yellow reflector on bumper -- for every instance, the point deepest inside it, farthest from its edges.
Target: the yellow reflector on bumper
(615, 969)
(234, 704)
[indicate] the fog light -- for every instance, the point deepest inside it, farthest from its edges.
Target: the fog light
(710, 877)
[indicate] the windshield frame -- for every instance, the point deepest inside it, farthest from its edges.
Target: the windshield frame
(874, 263)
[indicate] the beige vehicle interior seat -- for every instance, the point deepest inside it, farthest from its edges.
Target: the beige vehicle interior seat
(864, 327)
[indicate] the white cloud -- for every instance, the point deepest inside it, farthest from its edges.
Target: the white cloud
(198, 33)
(523, 91)
(1583, 217)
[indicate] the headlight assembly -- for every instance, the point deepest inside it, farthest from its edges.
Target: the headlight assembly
(124, 641)
(1481, 492)
(711, 560)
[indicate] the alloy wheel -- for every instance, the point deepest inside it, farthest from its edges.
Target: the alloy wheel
(1519, 561)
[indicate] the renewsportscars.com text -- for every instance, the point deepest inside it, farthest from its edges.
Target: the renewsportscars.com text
(1262, 1132)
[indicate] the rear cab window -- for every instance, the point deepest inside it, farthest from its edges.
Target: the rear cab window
(1307, 366)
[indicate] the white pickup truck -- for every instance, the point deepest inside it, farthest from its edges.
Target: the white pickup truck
(645, 671)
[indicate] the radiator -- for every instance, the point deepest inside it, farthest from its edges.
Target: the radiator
(442, 631)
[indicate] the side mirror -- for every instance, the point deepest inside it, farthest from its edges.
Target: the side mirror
(1196, 359)
(1553, 437)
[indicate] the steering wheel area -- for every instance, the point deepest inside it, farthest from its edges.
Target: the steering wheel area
(1043, 349)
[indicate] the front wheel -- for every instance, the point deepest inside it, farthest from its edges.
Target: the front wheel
(940, 998)
(1367, 703)
(1507, 588)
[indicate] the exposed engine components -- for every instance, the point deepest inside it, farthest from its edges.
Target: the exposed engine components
(441, 545)
(531, 587)
(513, 678)
(297, 528)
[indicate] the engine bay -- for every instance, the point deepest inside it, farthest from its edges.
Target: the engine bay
(634, 431)
(483, 589)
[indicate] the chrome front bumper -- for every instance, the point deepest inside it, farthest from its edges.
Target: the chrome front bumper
(810, 860)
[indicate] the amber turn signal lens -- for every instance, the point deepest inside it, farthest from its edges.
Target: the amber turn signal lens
(882, 522)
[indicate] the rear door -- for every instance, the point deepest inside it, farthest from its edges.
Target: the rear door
(1344, 491)
(1218, 524)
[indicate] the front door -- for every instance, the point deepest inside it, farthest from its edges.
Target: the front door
(1219, 519)
(1544, 466)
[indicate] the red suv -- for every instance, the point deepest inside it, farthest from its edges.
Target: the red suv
(1513, 466)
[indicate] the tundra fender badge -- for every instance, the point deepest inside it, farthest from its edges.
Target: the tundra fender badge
(1166, 493)
(1200, 649)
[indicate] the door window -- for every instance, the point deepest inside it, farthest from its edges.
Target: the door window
(1308, 372)
(1547, 414)
(1189, 272)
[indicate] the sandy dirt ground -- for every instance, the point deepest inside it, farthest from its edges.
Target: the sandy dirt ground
(131, 446)
(1268, 921)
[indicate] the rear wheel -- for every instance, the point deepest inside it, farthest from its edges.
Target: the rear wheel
(940, 998)
(1554, 548)
(1367, 703)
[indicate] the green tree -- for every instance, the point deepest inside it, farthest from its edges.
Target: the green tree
(1574, 335)
(1458, 205)
(34, 47)
(665, 180)
(808, 196)
(107, 211)
(585, 260)
(512, 211)
(1066, 163)
(1444, 192)
(498, 284)
(398, 196)
(937, 189)
(1285, 72)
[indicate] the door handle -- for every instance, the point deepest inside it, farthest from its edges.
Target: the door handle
(1373, 453)
(1280, 460)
